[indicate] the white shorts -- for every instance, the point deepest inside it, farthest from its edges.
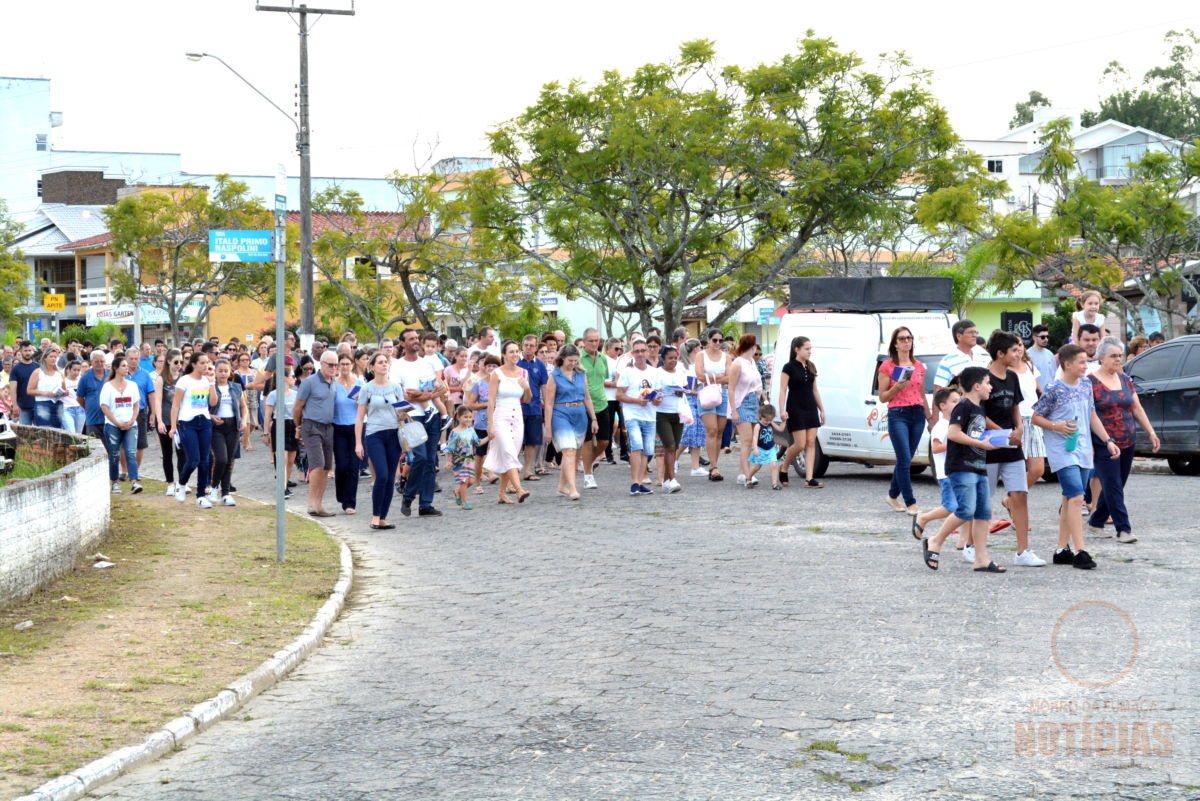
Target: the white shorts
(1013, 474)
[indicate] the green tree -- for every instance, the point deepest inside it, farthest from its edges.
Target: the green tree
(1168, 98)
(1023, 111)
(685, 177)
(14, 272)
(419, 263)
(1139, 236)
(164, 239)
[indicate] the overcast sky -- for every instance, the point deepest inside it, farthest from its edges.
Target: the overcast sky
(399, 73)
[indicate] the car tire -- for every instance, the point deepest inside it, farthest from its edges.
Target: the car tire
(1185, 465)
(820, 466)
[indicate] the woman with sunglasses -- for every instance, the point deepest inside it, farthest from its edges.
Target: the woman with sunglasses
(712, 367)
(164, 390)
(902, 388)
(245, 374)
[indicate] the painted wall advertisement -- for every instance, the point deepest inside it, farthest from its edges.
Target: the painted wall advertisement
(123, 314)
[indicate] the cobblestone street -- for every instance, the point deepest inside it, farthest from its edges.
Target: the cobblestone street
(698, 645)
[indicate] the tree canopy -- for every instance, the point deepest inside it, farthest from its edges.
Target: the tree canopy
(1140, 237)
(164, 236)
(14, 272)
(644, 191)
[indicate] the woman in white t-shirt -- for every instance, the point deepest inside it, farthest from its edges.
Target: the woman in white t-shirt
(73, 414)
(195, 397)
(119, 399)
(291, 445)
(47, 389)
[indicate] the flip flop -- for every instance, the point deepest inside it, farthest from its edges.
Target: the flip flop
(715, 475)
(812, 483)
(538, 477)
(382, 526)
(918, 531)
(521, 497)
(991, 568)
(931, 557)
(999, 525)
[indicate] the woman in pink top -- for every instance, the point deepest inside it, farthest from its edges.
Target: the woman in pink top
(456, 374)
(902, 386)
(745, 385)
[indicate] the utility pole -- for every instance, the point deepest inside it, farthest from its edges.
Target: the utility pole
(303, 146)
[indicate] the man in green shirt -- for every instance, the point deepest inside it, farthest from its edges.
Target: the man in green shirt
(595, 366)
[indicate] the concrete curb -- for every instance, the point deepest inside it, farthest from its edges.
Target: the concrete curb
(1158, 467)
(175, 733)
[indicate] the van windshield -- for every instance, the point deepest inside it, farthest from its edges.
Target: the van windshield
(930, 362)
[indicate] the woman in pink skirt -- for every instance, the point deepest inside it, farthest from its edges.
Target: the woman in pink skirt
(508, 389)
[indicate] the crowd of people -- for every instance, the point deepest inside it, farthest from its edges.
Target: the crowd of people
(510, 413)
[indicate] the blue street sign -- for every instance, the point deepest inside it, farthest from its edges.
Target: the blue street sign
(33, 328)
(241, 246)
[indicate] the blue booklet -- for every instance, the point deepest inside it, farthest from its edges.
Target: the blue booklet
(901, 373)
(354, 391)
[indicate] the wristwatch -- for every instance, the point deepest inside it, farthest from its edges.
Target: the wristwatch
(1110, 441)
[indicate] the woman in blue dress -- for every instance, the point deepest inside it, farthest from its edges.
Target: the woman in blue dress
(567, 412)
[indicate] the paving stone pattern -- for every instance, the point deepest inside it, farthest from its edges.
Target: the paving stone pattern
(697, 645)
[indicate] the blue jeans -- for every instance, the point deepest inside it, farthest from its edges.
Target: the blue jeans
(195, 436)
(905, 426)
(422, 463)
(26, 418)
(1113, 473)
(73, 418)
(115, 441)
(47, 414)
(1073, 480)
(971, 495)
(383, 449)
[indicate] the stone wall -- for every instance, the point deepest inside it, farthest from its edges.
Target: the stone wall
(47, 522)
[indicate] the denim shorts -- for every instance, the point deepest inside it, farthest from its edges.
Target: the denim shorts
(1073, 480)
(748, 408)
(949, 503)
(641, 435)
(971, 496)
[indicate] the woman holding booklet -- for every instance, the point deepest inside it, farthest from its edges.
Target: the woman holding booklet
(902, 387)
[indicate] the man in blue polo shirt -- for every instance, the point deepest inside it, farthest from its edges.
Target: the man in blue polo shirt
(532, 411)
(88, 395)
(147, 416)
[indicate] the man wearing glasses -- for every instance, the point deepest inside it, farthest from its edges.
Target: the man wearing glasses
(595, 367)
(1042, 356)
(313, 416)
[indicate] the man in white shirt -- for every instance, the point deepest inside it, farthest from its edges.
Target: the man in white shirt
(486, 343)
(639, 389)
(417, 378)
(967, 353)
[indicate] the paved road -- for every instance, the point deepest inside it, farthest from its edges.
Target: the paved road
(697, 645)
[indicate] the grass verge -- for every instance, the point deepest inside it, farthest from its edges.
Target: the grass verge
(195, 599)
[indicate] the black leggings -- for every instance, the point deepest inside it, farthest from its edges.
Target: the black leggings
(224, 449)
(170, 455)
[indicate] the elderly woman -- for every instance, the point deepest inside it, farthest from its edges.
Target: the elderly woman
(1118, 406)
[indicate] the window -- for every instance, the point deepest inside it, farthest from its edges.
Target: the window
(995, 165)
(1155, 364)
(1191, 364)
(39, 187)
(43, 141)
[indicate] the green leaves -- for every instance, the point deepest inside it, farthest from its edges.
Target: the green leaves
(14, 272)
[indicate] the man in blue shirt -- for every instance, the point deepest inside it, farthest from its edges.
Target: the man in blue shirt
(147, 414)
(313, 416)
(18, 382)
(88, 395)
(532, 411)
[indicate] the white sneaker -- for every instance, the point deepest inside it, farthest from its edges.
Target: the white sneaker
(752, 481)
(213, 494)
(228, 501)
(181, 493)
(699, 472)
(204, 503)
(116, 490)
(969, 554)
(136, 488)
(170, 489)
(1027, 558)
(674, 486)
(741, 480)
(589, 481)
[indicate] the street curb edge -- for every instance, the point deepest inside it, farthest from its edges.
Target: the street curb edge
(175, 733)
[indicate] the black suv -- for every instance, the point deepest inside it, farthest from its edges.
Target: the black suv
(1167, 378)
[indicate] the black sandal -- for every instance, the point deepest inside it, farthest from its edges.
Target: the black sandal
(931, 557)
(918, 531)
(714, 475)
(991, 568)
(812, 483)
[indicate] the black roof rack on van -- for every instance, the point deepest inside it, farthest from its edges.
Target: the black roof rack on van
(875, 294)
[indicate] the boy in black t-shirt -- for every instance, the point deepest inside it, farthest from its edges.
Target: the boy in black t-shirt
(966, 470)
(1003, 410)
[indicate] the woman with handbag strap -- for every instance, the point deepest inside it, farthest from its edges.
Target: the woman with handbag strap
(712, 369)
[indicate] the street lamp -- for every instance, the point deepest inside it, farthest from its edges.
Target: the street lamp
(281, 301)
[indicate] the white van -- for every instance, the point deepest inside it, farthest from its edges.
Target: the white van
(850, 322)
